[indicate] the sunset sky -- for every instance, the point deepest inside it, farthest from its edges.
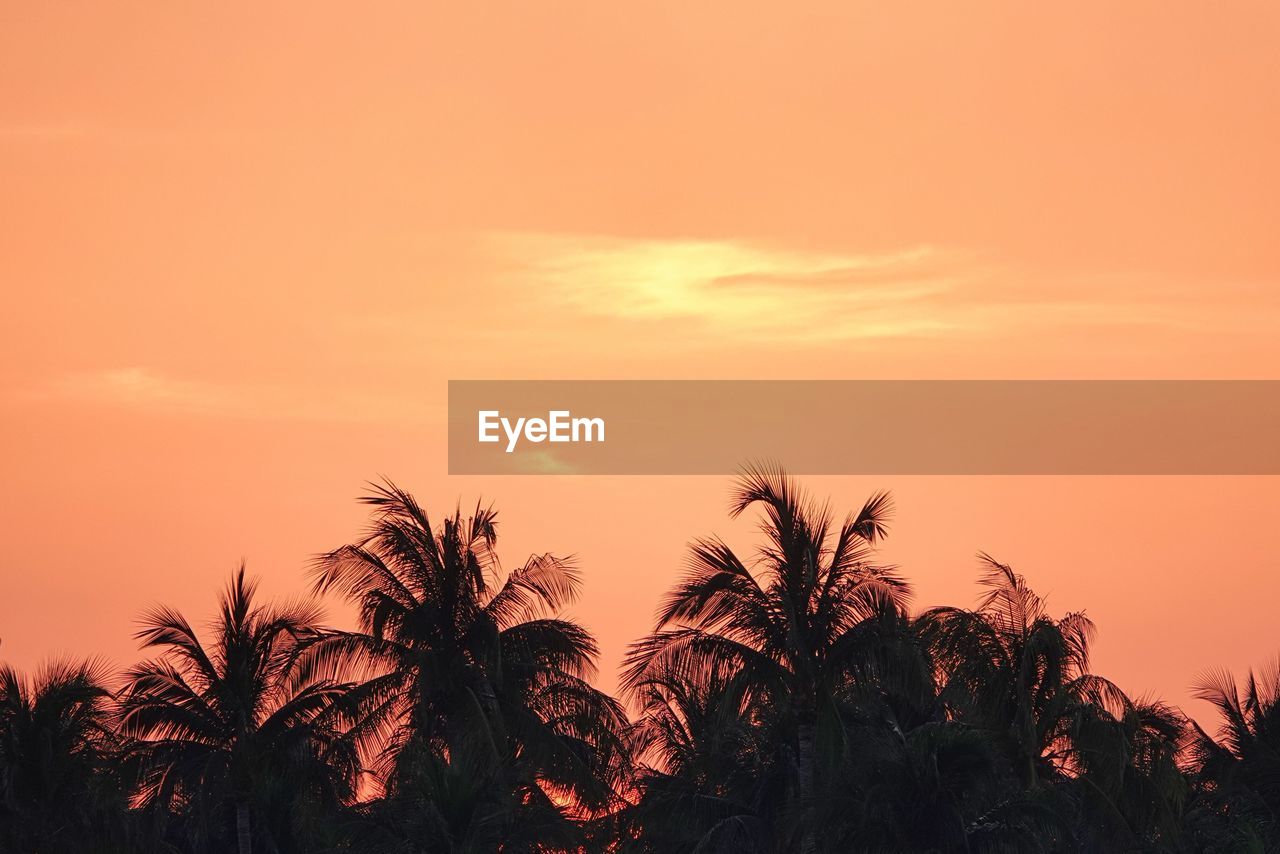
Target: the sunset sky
(243, 247)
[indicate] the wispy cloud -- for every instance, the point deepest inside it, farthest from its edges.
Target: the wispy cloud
(138, 386)
(739, 290)
(141, 388)
(742, 288)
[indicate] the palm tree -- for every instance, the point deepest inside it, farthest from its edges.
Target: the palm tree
(1238, 771)
(915, 789)
(1019, 672)
(708, 779)
(1077, 744)
(786, 623)
(57, 792)
(466, 667)
(1126, 777)
(227, 732)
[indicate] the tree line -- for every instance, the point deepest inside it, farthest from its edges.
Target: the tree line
(785, 701)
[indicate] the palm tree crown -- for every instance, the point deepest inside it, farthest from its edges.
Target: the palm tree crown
(786, 624)
(227, 731)
(56, 740)
(470, 669)
(1238, 768)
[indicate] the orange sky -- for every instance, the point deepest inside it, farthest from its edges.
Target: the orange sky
(242, 249)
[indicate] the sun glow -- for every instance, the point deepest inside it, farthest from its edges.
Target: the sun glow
(733, 285)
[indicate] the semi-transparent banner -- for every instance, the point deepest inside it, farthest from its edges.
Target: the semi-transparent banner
(1129, 427)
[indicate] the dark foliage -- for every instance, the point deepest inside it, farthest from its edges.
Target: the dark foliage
(785, 701)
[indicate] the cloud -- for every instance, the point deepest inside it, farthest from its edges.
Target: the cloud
(142, 388)
(542, 462)
(742, 289)
(737, 291)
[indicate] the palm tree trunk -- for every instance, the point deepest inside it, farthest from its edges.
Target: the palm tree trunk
(242, 828)
(804, 764)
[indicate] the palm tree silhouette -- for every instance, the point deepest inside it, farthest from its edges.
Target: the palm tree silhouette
(1074, 740)
(57, 789)
(1017, 670)
(230, 729)
(1125, 775)
(1238, 769)
(470, 675)
(705, 780)
(785, 624)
